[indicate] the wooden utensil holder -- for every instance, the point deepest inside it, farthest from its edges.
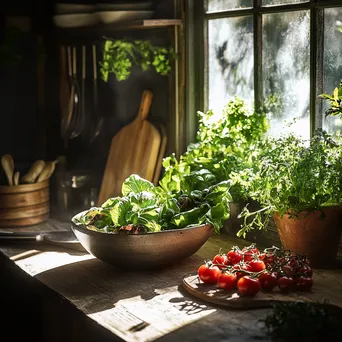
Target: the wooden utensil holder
(24, 205)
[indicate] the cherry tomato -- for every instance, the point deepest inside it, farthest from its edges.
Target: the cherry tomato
(304, 271)
(276, 274)
(248, 256)
(287, 270)
(234, 256)
(242, 266)
(269, 259)
(303, 283)
(285, 283)
(257, 265)
(293, 262)
(227, 281)
(248, 286)
(220, 260)
(268, 281)
(208, 274)
(252, 249)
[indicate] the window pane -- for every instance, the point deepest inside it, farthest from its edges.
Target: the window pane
(332, 62)
(223, 5)
(281, 2)
(230, 60)
(286, 71)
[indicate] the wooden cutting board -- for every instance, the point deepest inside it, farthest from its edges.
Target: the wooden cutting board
(134, 150)
(324, 288)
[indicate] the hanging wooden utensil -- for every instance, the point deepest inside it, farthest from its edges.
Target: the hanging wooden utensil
(95, 131)
(74, 129)
(65, 126)
(134, 150)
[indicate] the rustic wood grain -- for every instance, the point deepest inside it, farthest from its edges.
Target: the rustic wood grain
(142, 306)
(24, 205)
(134, 150)
(323, 290)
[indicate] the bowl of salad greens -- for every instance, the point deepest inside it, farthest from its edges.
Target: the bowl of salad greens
(151, 227)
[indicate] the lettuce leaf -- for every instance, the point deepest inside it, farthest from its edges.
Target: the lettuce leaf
(136, 184)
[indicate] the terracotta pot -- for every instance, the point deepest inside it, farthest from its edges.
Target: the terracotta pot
(312, 235)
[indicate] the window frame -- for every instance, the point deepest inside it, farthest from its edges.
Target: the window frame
(200, 73)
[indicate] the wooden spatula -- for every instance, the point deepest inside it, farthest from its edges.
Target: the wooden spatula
(134, 150)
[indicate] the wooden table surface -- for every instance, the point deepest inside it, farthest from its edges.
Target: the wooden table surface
(135, 306)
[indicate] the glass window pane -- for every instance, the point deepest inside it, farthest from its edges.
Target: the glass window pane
(231, 61)
(332, 62)
(224, 5)
(281, 2)
(286, 71)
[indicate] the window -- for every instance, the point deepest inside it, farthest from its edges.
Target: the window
(279, 54)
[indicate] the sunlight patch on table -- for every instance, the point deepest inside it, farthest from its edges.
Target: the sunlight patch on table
(45, 261)
(135, 319)
(25, 255)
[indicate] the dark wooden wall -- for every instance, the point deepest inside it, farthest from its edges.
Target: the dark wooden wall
(30, 109)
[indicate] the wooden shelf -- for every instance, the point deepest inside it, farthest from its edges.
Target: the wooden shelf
(148, 23)
(103, 29)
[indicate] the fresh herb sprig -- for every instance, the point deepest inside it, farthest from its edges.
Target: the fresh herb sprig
(335, 102)
(120, 55)
(303, 321)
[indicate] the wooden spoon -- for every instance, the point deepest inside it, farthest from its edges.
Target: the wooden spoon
(47, 171)
(16, 178)
(8, 167)
(34, 171)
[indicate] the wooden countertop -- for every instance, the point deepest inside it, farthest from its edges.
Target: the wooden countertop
(136, 306)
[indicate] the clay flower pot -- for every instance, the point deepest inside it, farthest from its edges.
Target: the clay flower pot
(311, 234)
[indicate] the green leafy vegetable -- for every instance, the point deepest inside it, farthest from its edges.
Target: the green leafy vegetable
(155, 208)
(119, 213)
(136, 184)
(225, 145)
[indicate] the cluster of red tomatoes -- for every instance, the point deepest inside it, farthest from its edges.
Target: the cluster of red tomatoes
(249, 270)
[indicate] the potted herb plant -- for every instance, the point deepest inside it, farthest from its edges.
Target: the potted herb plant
(299, 183)
(225, 144)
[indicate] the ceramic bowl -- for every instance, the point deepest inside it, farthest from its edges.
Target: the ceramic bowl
(143, 250)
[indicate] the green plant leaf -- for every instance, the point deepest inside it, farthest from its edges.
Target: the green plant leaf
(136, 184)
(120, 212)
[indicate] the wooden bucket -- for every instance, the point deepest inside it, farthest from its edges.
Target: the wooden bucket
(24, 204)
